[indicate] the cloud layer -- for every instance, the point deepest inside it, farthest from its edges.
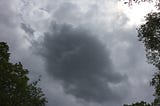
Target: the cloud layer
(87, 59)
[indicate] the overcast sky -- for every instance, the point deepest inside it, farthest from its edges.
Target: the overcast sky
(86, 51)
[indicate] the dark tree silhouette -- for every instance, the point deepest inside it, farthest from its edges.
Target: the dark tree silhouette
(14, 87)
(149, 34)
(142, 103)
(131, 2)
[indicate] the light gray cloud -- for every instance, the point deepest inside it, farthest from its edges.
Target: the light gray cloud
(9, 27)
(128, 56)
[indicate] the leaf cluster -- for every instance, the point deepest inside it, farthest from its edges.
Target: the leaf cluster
(149, 34)
(14, 87)
(142, 103)
(131, 2)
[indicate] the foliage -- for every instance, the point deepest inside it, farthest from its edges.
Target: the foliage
(142, 103)
(149, 34)
(131, 2)
(156, 83)
(14, 87)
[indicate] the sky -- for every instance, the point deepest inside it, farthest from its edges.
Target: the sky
(86, 52)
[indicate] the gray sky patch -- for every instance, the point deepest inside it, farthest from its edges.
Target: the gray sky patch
(27, 29)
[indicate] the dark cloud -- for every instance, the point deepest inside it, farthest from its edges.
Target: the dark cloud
(81, 62)
(27, 28)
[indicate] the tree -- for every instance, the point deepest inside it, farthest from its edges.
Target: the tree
(142, 103)
(131, 2)
(15, 90)
(149, 34)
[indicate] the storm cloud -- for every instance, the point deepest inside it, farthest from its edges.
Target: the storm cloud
(78, 67)
(80, 61)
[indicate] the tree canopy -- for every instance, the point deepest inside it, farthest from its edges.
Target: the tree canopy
(142, 103)
(15, 90)
(131, 2)
(149, 34)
